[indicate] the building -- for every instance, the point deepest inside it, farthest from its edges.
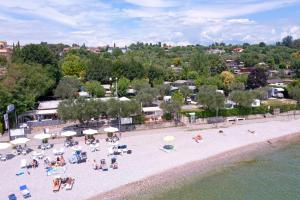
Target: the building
(5, 50)
(215, 51)
(238, 50)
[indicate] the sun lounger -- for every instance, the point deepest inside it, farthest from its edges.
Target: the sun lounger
(12, 197)
(23, 163)
(3, 157)
(70, 183)
(103, 165)
(61, 151)
(25, 191)
(56, 183)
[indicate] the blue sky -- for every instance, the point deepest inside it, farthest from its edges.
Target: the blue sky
(176, 22)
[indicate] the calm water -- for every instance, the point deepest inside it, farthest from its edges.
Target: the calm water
(272, 176)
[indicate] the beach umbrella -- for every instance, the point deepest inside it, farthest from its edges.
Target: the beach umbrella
(111, 129)
(90, 132)
(169, 138)
(42, 136)
(68, 133)
(19, 141)
(4, 145)
(124, 99)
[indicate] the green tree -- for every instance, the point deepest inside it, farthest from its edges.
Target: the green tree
(99, 69)
(139, 84)
(185, 91)
(146, 96)
(242, 98)
(123, 84)
(287, 41)
(81, 109)
(67, 87)
(173, 108)
(73, 65)
(95, 88)
(210, 98)
(154, 73)
(3, 61)
(192, 75)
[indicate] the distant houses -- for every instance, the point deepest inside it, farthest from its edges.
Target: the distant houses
(5, 50)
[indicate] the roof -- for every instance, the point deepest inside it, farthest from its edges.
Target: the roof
(46, 112)
(124, 99)
(151, 109)
(271, 81)
(46, 105)
(106, 86)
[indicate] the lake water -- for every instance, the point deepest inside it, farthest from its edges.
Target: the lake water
(272, 175)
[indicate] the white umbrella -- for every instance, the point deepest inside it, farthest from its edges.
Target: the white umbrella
(68, 133)
(90, 132)
(111, 129)
(124, 99)
(19, 141)
(4, 145)
(42, 136)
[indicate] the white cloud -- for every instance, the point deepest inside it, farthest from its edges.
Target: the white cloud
(99, 22)
(152, 3)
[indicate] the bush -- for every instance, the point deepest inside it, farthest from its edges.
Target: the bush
(1, 128)
(139, 119)
(241, 111)
(168, 116)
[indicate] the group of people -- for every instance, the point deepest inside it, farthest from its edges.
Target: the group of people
(58, 162)
(103, 165)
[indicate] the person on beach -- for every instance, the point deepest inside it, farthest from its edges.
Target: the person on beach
(197, 138)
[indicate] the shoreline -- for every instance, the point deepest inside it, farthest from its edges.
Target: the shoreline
(203, 167)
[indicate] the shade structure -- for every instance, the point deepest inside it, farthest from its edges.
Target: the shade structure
(169, 138)
(42, 136)
(68, 133)
(124, 99)
(19, 141)
(4, 145)
(111, 129)
(90, 132)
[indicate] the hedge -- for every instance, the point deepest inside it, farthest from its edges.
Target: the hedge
(242, 111)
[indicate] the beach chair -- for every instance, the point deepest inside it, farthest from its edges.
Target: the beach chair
(23, 163)
(73, 159)
(70, 183)
(56, 183)
(12, 197)
(25, 191)
(103, 165)
(3, 157)
(61, 151)
(55, 152)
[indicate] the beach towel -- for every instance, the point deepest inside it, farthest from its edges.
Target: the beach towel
(20, 173)
(56, 170)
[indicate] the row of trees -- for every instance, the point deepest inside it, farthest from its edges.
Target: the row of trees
(83, 110)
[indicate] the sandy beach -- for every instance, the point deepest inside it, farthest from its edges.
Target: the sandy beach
(146, 161)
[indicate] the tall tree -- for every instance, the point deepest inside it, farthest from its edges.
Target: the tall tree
(95, 88)
(257, 78)
(73, 66)
(67, 87)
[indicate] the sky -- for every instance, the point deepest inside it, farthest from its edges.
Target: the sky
(175, 22)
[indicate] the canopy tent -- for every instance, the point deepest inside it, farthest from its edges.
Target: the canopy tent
(90, 132)
(42, 136)
(68, 133)
(4, 145)
(19, 141)
(124, 99)
(111, 129)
